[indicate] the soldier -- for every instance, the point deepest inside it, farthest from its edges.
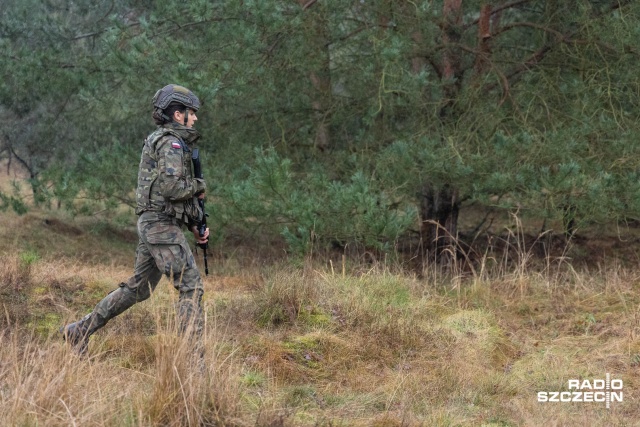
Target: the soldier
(166, 198)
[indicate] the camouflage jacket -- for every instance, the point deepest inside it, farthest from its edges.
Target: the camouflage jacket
(165, 177)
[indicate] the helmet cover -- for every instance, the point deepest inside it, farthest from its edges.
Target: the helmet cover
(175, 93)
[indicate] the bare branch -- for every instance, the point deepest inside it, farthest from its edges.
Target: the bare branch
(306, 4)
(20, 160)
(541, 53)
(531, 25)
(96, 33)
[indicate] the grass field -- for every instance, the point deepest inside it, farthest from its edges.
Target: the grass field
(310, 343)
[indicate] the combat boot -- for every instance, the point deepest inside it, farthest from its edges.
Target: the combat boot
(77, 334)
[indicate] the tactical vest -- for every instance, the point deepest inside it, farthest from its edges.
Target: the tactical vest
(148, 195)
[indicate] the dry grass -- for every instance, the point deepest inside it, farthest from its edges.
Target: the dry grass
(310, 346)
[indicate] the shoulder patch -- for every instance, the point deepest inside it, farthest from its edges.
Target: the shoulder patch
(176, 144)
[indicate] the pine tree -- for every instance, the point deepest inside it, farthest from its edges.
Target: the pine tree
(376, 117)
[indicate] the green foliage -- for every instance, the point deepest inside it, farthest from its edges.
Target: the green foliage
(306, 209)
(14, 202)
(28, 258)
(253, 379)
(326, 123)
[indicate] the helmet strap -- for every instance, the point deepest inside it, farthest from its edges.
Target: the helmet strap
(186, 116)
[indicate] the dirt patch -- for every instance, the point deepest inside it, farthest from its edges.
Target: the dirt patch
(60, 227)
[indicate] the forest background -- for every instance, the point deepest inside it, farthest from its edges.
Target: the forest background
(336, 122)
(485, 151)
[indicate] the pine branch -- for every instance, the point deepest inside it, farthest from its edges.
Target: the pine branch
(541, 53)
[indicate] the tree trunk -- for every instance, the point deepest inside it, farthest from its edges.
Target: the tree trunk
(484, 36)
(439, 206)
(320, 77)
(439, 212)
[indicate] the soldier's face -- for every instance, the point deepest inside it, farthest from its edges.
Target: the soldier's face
(191, 118)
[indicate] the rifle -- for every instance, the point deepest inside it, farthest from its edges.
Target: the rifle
(202, 226)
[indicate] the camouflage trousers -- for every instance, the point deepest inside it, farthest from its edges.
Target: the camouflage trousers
(162, 249)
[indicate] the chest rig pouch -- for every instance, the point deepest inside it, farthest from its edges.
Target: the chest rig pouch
(148, 196)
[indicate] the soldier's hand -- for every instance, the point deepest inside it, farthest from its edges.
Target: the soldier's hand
(200, 185)
(196, 234)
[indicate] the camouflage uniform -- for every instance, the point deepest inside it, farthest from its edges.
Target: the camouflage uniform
(166, 200)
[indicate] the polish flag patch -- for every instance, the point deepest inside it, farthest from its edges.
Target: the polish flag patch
(176, 145)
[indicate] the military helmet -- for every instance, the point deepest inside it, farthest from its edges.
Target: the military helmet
(175, 93)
